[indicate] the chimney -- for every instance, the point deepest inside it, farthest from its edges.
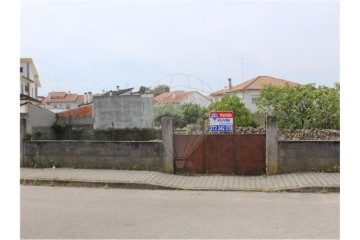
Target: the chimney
(230, 86)
(110, 93)
(90, 97)
(69, 92)
(117, 88)
(85, 98)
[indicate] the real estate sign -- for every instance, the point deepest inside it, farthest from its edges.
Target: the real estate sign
(221, 121)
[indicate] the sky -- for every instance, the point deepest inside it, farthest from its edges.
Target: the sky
(83, 46)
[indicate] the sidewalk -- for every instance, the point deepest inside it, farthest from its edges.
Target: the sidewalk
(298, 182)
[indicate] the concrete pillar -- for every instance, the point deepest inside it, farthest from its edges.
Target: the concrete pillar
(272, 160)
(167, 131)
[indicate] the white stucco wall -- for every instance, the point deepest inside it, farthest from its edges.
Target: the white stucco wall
(32, 92)
(24, 108)
(197, 98)
(246, 96)
(28, 69)
(24, 67)
(60, 106)
(248, 99)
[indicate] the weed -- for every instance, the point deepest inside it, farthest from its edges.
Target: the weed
(333, 169)
(28, 136)
(38, 134)
(37, 162)
(187, 174)
(323, 191)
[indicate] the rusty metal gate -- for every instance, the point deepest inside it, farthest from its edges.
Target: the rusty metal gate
(220, 154)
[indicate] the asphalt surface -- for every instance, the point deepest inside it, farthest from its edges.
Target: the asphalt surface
(98, 213)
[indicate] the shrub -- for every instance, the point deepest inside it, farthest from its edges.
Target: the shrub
(59, 127)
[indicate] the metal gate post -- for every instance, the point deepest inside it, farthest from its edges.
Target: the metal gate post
(234, 144)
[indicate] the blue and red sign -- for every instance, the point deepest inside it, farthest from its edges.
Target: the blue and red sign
(221, 121)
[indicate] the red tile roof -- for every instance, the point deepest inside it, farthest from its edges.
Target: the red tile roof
(63, 97)
(172, 97)
(80, 98)
(81, 111)
(56, 95)
(257, 83)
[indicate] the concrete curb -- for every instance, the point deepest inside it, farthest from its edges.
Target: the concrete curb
(148, 186)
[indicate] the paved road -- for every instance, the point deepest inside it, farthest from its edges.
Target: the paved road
(65, 212)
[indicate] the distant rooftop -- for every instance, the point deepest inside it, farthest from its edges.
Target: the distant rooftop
(257, 83)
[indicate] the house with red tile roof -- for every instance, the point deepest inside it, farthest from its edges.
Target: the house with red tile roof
(249, 91)
(61, 101)
(182, 97)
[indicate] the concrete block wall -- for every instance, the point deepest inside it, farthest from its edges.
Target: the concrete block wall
(96, 154)
(47, 133)
(123, 111)
(300, 156)
(77, 120)
(40, 117)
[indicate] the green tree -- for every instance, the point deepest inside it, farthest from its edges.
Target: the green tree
(160, 89)
(243, 116)
(192, 113)
(143, 89)
(302, 106)
(169, 110)
(326, 111)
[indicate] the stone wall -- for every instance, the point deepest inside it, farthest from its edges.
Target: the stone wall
(309, 134)
(296, 134)
(95, 154)
(283, 134)
(301, 156)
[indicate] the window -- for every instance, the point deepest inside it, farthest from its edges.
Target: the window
(26, 88)
(21, 69)
(67, 106)
(254, 100)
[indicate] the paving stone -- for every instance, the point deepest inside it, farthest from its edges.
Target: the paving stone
(211, 182)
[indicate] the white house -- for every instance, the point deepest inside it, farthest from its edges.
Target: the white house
(62, 101)
(29, 81)
(182, 97)
(249, 91)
